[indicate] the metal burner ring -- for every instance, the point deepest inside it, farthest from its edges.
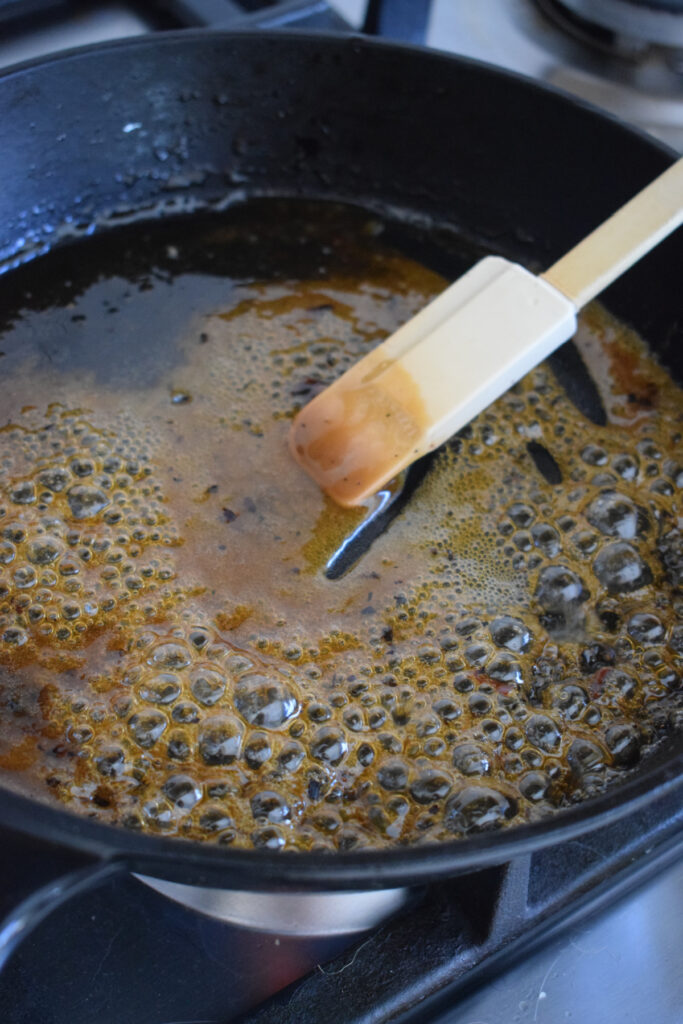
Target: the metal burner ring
(315, 914)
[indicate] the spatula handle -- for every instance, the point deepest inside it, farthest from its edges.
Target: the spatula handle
(617, 244)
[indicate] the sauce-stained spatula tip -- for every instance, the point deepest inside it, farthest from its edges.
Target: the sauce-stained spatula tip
(464, 349)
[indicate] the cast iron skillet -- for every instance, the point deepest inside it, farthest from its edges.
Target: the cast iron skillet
(158, 121)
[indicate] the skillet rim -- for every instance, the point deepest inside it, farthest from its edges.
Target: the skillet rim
(327, 37)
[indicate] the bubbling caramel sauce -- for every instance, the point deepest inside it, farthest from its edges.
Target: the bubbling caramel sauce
(172, 657)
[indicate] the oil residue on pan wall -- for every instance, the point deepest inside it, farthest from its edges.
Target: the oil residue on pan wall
(172, 657)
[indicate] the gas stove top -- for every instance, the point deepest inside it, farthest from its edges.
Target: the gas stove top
(625, 56)
(517, 943)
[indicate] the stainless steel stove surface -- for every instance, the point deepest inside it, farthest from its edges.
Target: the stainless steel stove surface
(621, 967)
(625, 56)
(589, 932)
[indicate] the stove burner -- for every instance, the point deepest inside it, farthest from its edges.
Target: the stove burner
(627, 23)
(317, 914)
(614, 64)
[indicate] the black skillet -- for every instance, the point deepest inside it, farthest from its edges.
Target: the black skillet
(521, 169)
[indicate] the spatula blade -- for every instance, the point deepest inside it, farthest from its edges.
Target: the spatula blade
(430, 378)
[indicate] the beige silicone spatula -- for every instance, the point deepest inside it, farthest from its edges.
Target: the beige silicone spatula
(465, 349)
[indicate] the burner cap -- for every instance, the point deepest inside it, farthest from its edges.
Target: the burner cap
(645, 21)
(310, 914)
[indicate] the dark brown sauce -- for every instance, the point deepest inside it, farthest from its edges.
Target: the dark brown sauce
(171, 655)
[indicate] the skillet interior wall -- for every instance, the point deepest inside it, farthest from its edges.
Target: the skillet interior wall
(192, 118)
